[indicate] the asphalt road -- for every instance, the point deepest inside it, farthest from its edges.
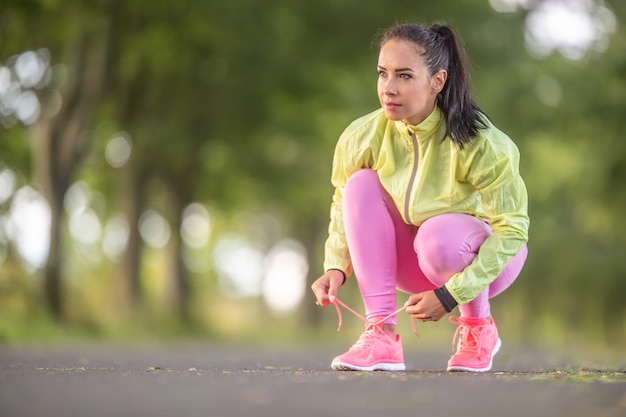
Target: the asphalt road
(180, 380)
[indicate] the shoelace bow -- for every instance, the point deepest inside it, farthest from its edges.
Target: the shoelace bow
(338, 303)
(461, 334)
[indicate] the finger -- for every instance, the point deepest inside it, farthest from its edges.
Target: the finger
(413, 299)
(320, 294)
(413, 310)
(323, 299)
(332, 293)
(418, 314)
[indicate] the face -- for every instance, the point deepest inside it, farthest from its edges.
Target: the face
(405, 89)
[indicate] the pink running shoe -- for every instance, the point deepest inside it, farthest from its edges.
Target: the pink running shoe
(478, 343)
(376, 350)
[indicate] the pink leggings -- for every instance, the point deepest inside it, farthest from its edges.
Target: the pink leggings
(388, 254)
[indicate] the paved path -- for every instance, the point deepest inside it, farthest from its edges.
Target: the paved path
(216, 380)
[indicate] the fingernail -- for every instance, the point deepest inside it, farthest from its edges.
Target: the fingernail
(332, 298)
(317, 303)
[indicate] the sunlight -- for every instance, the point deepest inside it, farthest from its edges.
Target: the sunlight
(28, 226)
(30, 67)
(115, 240)
(195, 227)
(240, 267)
(7, 184)
(76, 197)
(509, 6)
(154, 229)
(85, 226)
(118, 150)
(28, 108)
(18, 77)
(284, 284)
(569, 27)
(5, 79)
(244, 271)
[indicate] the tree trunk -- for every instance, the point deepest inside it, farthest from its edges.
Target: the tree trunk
(59, 142)
(179, 291)
(52, 268)
(178, 295)
(129, 270)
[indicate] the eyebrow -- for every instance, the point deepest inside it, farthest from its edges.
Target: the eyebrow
(398, 69)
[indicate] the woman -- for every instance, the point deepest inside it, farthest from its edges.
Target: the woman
(428, 200)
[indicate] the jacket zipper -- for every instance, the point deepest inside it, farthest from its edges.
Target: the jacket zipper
(407, 201)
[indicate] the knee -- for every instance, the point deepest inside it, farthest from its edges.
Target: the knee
(446, 244)
(360, 183)
(437, 260)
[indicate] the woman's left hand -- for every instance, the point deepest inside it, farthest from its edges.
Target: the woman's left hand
(425, 306)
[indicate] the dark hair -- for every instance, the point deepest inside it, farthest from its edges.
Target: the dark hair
(439, 48)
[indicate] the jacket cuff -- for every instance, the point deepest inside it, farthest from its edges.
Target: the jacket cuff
(342, 273)
(446, 298)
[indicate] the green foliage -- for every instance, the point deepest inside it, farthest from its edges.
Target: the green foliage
(238, 104)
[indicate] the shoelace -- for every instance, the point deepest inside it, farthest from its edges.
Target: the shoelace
(461, 334)
(338, 303)
(372, 334)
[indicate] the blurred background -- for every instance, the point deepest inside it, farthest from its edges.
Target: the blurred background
(164, 166)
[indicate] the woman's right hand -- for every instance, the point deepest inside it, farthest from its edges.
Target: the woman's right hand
(326, 287)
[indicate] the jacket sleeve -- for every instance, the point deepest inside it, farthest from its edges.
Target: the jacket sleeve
(336, 254)
(505, 204)
(352, 153)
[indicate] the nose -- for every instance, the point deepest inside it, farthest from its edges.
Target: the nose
(388, 86)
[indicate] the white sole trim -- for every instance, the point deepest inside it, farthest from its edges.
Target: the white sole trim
(485, 369)
(343, 366)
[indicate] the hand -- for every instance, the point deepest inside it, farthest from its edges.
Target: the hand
(326, 287)
(425, 306)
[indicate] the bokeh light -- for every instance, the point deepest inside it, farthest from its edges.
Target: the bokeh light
(154, 229)
(570, 27)
(195, 227)
(240, 267)
(115, 239)
(118, 150)
(284, 284)
(19, 78)
(28, 227)
(7, 184)
(76, 198)
(30, 67)
(85, 226)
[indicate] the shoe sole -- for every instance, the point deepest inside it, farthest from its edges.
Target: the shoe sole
(343, 366)
(485, 369)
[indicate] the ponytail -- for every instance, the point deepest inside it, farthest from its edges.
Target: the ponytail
(440, 51)
(463, 116)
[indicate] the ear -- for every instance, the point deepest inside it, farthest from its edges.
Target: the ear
(438, 81)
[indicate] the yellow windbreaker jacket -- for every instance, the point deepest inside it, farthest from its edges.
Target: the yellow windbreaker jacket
(426, 177)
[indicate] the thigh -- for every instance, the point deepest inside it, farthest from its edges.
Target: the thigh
(409, 276)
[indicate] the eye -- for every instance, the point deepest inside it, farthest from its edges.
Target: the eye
(381, 74)
(405, 76)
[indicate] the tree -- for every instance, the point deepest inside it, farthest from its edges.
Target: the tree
(60, 140)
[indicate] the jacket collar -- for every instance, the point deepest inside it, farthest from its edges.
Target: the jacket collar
(426, 128)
